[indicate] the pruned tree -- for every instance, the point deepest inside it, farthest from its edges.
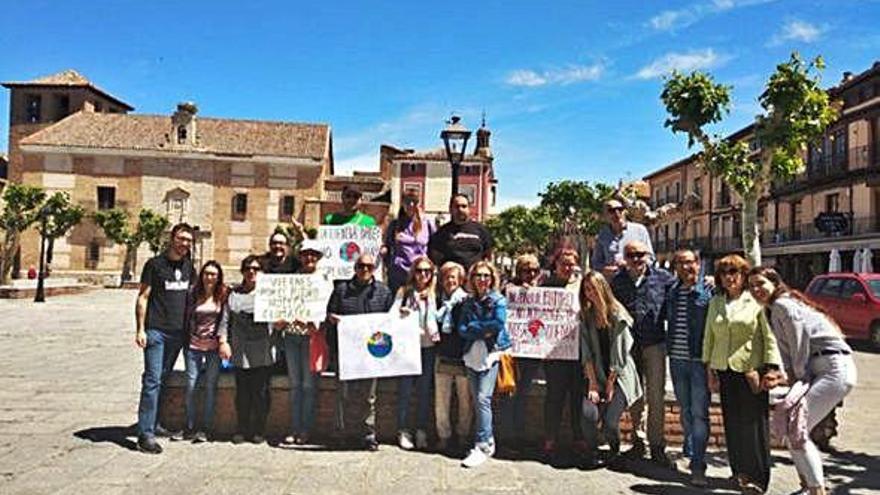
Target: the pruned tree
(797, 111)
(20, 209)
(58, 216)
(150, 228)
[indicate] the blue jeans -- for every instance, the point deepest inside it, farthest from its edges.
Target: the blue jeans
(482, 388)
(205, 364)
(424, 397)
(303, 383)
(159, 356)
(513, 419)
(692, 392)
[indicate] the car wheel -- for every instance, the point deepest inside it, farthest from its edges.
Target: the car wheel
(875, 335)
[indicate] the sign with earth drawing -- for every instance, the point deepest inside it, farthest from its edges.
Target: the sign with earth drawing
(543, 322)
(377, 345)
(342, 245)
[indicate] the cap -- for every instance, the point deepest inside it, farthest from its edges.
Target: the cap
(351, 188)
(311, 245)
(613, 203)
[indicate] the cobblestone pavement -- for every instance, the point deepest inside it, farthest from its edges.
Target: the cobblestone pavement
(69, 382)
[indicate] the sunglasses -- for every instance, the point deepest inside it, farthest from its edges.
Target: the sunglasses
(425, 271)
(482, 275)
(615, 209)
(252, 268)
(364, 266)
(636, 255)
(278, 243)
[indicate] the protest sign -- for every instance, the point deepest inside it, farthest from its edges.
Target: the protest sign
(543, 322)
(291, 297)
(343, 244)
(376, 345)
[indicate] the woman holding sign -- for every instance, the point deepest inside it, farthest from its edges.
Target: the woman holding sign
(417, 296)
(406, 239)
(483, 327)
(298, 337)
(612, 380)
(564, 378)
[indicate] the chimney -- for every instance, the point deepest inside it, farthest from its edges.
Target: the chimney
(183, 123)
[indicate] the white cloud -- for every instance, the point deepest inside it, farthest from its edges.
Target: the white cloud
(797, 30)
(504, 202)
(569, 75)
(671, 20)
(684, 62)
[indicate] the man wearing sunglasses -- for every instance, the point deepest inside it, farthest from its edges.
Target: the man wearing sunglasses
(351, 213)
(359, 295)
(607, 256)
(642, 289)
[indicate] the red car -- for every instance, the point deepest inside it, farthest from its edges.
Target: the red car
(853, 300)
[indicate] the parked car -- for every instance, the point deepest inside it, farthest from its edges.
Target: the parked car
(853, 300)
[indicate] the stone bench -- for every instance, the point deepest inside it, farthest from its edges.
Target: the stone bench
(173, 414)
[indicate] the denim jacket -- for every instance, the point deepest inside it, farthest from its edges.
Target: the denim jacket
(644, 303)
(485, 319)
(698, 305)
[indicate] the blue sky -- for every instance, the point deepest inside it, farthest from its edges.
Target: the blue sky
(570, 88)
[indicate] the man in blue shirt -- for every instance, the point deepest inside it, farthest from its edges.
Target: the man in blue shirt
(685, 317)
(642, 290)
(607, 256)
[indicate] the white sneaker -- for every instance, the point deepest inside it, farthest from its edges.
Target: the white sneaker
(404, 440)
(478, 455)
(421, 440)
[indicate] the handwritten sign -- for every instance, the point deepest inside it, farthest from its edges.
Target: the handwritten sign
(342, 245)
(543, 322)
(291, 297)
(376, 345)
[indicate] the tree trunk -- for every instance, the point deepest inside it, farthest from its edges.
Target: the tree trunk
(127, 264)
(7, 256)
(751, 242)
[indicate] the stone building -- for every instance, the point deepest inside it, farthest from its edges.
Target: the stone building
(841, 181)
(429, 173)
(234, 180)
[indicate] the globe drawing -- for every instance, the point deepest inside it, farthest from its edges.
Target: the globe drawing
(349, 251)
(379, 344)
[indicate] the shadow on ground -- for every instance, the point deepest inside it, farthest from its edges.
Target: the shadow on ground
(118, 435)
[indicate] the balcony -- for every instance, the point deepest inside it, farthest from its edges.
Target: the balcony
(808, 232)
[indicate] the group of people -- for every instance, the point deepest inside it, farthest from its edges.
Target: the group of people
(740, 332)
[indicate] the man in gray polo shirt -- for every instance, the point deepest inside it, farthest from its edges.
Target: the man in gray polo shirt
(607, 255)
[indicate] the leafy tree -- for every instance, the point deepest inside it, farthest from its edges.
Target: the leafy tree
(20, 209)
(116, 225)
(58, 216)
(796, 112)
(577, 201)
(520, 229)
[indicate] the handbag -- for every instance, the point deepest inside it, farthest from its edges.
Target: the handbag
(319, 353)
(506, 381)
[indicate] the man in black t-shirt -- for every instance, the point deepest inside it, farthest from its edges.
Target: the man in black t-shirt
(462, 240)
(159, 312)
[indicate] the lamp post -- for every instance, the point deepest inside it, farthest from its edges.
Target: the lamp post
(40, 295)
(455, 138)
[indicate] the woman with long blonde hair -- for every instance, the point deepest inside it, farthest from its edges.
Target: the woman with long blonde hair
(612, 379)
(418, 296)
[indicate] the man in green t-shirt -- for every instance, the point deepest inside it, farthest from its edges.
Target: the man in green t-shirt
(350, 214)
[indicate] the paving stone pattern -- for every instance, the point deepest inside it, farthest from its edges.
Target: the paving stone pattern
(69, 383)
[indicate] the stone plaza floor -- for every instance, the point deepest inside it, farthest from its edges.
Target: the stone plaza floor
(69, 383)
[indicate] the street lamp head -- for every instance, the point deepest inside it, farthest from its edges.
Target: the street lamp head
(455, 137)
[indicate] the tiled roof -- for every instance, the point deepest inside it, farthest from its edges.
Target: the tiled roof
(69, 78)
(213, 136)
